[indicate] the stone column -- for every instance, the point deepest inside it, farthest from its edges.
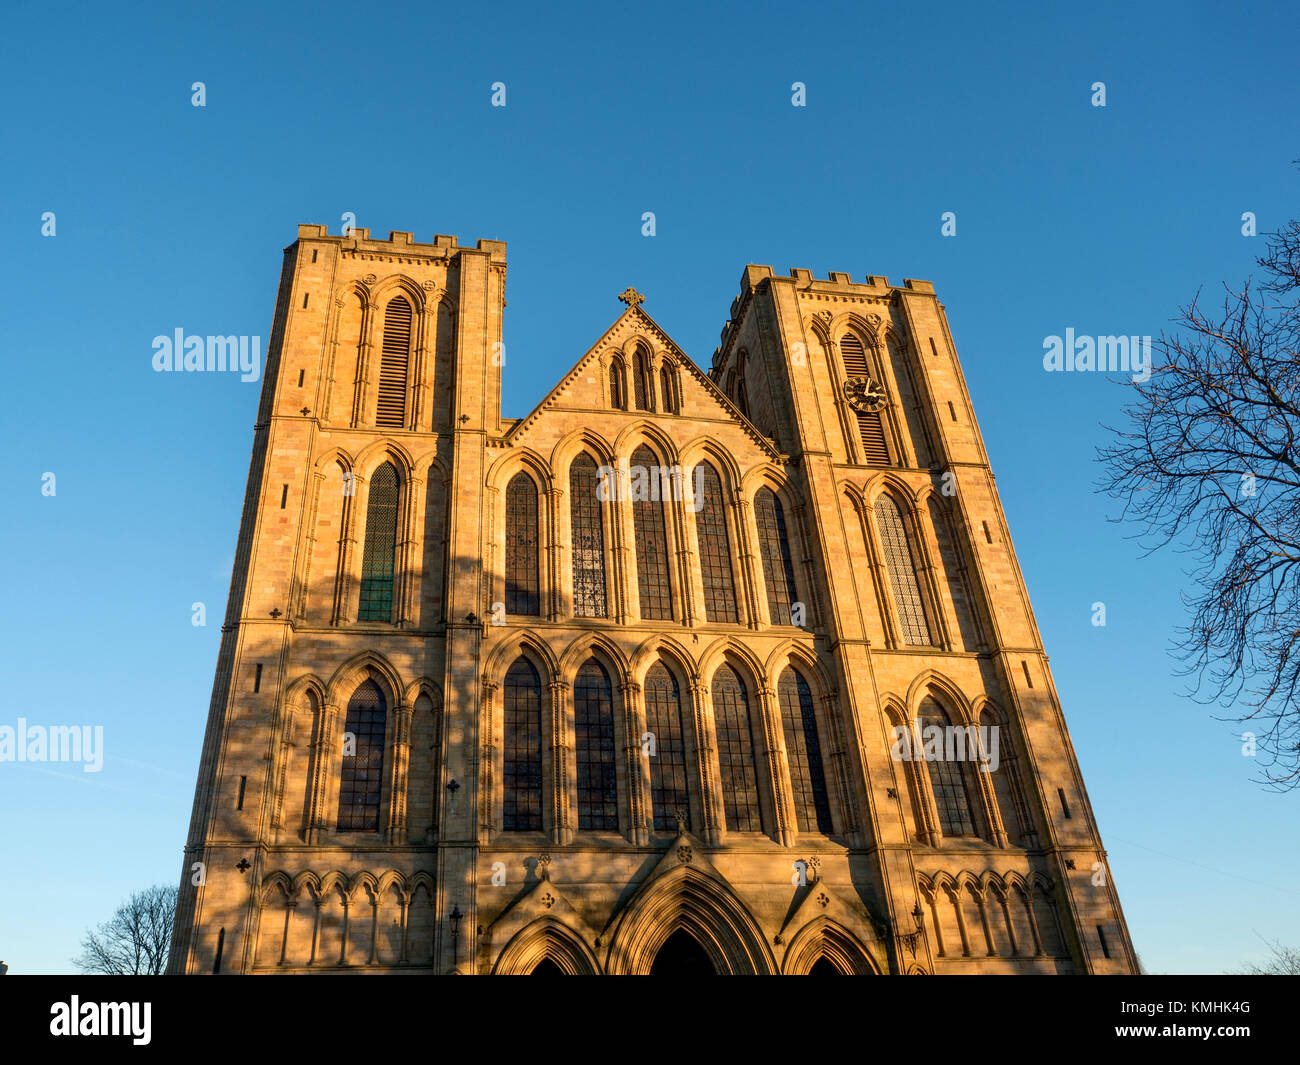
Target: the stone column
(399, 775)
(774, 755)
(407, 553)
(713, 814)
(638, 782)
(322, 772)
(561, 828)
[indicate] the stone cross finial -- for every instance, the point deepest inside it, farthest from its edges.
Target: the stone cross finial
(631, 297)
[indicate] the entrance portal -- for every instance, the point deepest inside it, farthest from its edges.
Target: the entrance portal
(682, 956)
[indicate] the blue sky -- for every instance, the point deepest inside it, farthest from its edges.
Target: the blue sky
(1104, 220)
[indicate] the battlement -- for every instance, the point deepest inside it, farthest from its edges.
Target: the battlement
(838, 283)
(443, 245)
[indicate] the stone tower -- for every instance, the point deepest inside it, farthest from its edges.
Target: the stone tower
(679, 673)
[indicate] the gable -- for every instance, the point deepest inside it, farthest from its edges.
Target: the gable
(582, 396)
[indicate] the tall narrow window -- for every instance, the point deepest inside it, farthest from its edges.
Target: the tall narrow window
(871, 423)
(804, 751)
(736, 752)
(774, 545)
(715, 547)
(589, 600)
(901, 563)
(617, 388)
(522, 769)
(521, 545)
(954, 571)
(947, 778)
(742, 397)
(666, 386)
(393, 364)
(593, 722)
(651, 538)
(669, 795)
(639, 375)
(378, 557)
(361, 779)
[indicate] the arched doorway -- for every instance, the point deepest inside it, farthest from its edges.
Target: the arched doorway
(546, 967)
(822, 967)
(682, 955)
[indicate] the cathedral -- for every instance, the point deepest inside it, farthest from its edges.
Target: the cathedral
(678, 673)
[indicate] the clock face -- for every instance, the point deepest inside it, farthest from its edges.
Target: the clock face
(864, 394)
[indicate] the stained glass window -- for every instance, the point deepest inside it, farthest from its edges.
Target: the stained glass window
(379, 555)
(522, 769)
(901, 564)
(666, 386)
(774, 545)
(521, 546)
(715, 547)
(617, 390)
(736, 752)
(669, 794)
(640, 376)
(593, 720)
(655, 593)
(361, 778)
(589, 599)
(804, 753)
(947, 778)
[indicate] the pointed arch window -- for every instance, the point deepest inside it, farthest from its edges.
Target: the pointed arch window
(774, 546)
(643, 386)
(947, 776)
(589, 598)
(714, 547)
(900, 561)
(668, 386)
(742, 397)
(804, 753)
(361, 778)
(394, 364)
(736, 752)
(669, 794)
(593, 720)
(522, 751)
(379, 555)
(617, 385)
(648, 501)
(871, 423)
(521, 546)
(1006, 782)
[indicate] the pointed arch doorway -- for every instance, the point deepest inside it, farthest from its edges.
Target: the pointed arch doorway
(682, 955)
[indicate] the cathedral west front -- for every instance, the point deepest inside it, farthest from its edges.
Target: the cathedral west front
(678, 673)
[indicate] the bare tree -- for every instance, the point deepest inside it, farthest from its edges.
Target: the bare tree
(1210, 462)
(1285, 961)
(134, 941)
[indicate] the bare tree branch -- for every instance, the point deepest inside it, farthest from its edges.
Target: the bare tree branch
(1209, 462)
(134, 941)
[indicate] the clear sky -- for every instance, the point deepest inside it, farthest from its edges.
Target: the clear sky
(167, 216)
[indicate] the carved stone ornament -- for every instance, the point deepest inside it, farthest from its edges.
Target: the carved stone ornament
(369, 279)
(864, 394)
